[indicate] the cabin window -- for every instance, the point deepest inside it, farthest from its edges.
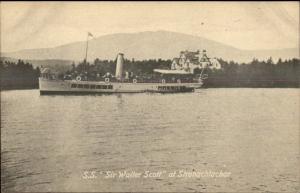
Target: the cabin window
(79, 86)
(104, 86)
(86, 86)
(93, 86)
(170, 88)
(73, 85)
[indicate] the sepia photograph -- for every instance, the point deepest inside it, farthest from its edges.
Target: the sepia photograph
(158, 96)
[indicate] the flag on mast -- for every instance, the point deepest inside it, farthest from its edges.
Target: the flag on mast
(90, 34)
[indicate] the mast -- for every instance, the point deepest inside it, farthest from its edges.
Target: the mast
(86, 49)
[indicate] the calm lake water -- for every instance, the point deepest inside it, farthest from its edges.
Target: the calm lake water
(69, 143)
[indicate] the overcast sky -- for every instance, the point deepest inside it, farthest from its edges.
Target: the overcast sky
(244, 25)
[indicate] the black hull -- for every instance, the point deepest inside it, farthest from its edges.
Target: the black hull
(77, 93)
(107, 93)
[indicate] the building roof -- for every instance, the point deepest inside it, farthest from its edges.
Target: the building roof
(45, 71)
(191, 56)
(176, 59)
(171, 71)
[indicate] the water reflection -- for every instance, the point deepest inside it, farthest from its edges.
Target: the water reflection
(48, 142)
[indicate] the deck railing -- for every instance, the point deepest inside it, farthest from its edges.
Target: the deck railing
(113, 80)
(130, 80)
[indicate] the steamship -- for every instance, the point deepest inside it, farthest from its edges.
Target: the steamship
(162, 81)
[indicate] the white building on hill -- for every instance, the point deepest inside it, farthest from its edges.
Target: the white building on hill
(189, 61)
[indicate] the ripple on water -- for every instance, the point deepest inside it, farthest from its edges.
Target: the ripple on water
(47, 142)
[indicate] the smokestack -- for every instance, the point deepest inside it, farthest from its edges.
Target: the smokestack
(119, 67)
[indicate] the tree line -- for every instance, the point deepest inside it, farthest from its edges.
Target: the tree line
(18, 75)
(254, 74)
(101, 67)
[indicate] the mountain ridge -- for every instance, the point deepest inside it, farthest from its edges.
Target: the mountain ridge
(148, 45)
